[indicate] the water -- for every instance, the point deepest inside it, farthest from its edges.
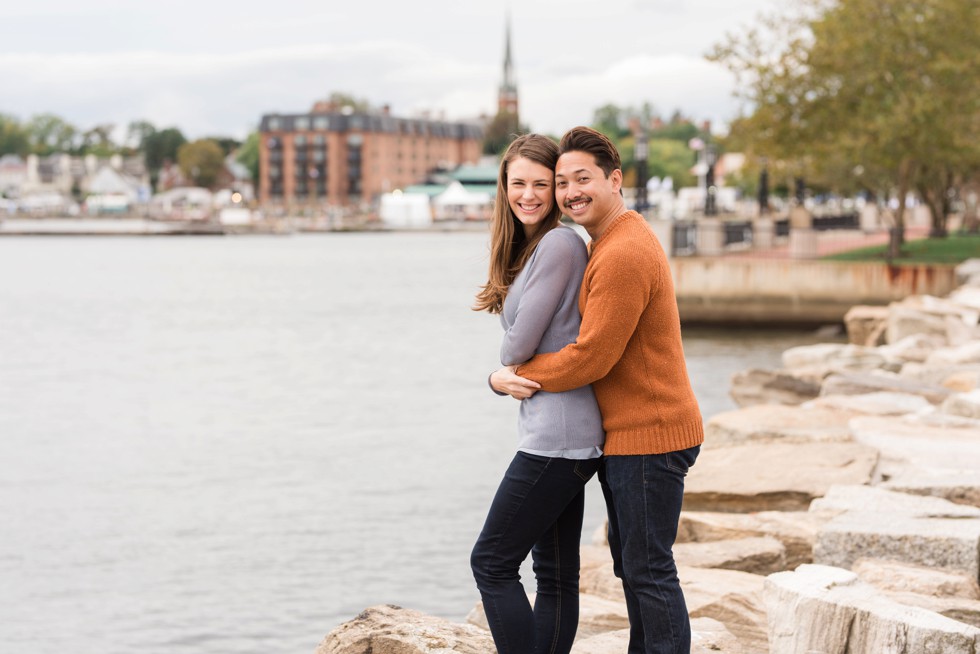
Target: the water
(231, 445)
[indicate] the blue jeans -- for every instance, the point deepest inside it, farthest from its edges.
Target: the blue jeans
(538, 509)
(643, 499)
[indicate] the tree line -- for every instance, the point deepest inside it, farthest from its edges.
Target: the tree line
(200, 161)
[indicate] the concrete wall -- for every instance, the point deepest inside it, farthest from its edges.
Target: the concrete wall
(782, 291)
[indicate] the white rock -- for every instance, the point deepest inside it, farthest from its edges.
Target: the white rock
(952, 356)
(966, 405)
(881, 403)
(859, 384)
(778, 423)
(823, 609)
(758, 386)
(774, 476)
(761, 555)
(597, 615)
(906, 578)
(840, 499)
(387, 629)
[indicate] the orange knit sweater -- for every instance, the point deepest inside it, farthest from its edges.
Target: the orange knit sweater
(629, 346)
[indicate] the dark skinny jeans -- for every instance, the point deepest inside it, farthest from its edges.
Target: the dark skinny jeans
(538, 508)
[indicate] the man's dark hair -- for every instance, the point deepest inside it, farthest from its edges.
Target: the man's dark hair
(588, 140)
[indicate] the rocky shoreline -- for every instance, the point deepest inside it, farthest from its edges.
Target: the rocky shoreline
(837, 510)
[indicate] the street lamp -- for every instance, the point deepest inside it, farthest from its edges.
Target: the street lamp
(640, 156)
(710, 190)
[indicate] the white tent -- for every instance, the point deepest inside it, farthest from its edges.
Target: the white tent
(458, 203)
(405, 210)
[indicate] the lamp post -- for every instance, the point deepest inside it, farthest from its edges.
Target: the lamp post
(640, 156)
(710, 190)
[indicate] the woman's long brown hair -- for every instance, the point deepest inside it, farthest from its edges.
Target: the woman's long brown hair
(509, 247)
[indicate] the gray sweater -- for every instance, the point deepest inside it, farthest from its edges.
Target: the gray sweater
(540, 314)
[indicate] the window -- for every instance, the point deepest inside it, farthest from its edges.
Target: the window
(299, 141)
(275, 123)
(321, 123)
(301, 124)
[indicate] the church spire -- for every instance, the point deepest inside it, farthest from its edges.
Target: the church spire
(507, 97)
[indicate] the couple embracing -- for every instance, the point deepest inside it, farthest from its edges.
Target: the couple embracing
(592, 348)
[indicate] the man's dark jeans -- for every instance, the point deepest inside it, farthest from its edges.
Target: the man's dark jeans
(538, 508)
(643, 498)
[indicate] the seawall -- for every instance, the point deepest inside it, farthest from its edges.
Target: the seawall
(792, 292)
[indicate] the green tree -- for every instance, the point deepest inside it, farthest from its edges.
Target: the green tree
(500, 132)
(137, 133)
(159, 147)
(14, 138)
(248, 154)
(98, 141)
(885, 87)
(49, 133)
(201, 162)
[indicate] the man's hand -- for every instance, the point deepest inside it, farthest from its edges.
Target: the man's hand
(505, 381)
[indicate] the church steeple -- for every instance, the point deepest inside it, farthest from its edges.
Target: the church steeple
(507, 97)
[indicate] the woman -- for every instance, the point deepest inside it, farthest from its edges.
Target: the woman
(536, 268)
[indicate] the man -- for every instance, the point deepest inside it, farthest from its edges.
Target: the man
(629, 348)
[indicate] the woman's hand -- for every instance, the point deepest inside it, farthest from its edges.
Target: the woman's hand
(507, 382)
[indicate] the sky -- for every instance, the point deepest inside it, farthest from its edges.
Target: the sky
(214, 67)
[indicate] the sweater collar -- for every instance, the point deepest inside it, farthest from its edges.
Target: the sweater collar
(622, 218)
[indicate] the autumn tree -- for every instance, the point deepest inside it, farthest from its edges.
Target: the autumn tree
(201, 162)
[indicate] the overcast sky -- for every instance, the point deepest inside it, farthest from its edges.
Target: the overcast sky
(214, 67)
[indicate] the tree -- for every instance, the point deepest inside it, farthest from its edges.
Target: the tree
(137, 134)
(201, 162)
(49, 133)
(248, 154)
(161, 146)
(503, 129)
(13, 137)
(887, 87)
(98, 141)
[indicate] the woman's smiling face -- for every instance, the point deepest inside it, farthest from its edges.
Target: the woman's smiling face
(530, 191)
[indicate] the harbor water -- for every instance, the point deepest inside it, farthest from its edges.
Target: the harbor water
(216, 445)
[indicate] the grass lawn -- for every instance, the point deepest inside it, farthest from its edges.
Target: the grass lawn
(951, 250)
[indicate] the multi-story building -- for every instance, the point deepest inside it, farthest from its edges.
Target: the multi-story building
(335, 156)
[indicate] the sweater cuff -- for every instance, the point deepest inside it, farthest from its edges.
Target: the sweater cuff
(491, 385)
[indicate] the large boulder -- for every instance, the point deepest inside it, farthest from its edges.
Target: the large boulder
(875, 404)
(896, 577)
(760, 386)
(957, 486)
(786, 424)
(795, 530)
(866, 324)
(918, 443)
(966, 405)
(858, 384)
(597, 615)
(824, 609)
(881, 524)
(388, 629)
(774, 476)
(825, 358)
(707, 637)
(762, 556)
(966, 354)
(731, 597)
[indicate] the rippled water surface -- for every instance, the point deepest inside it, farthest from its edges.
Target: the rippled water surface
(231, 445)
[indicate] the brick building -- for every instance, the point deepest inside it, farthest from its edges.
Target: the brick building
(339, 157)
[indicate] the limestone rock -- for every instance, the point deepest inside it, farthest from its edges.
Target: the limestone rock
(796, 530)
(871, 499)
(707, 637)
(774, 476)
(880, 404)
(968, 353)
(597, 615)
(770, 422)
(866, 324)
(761, 556)
(962, 381)
(906, 321)
(966, 405)
(387, 629)
(966, 271)
(823, 609)
(957, 486)
(834, 357)
(596, 574)
(915, 348)
(898, 577)
(758, 386)
(733, 598)
(912, 443)
(855, 384)
(955, 608)
(881, 524)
